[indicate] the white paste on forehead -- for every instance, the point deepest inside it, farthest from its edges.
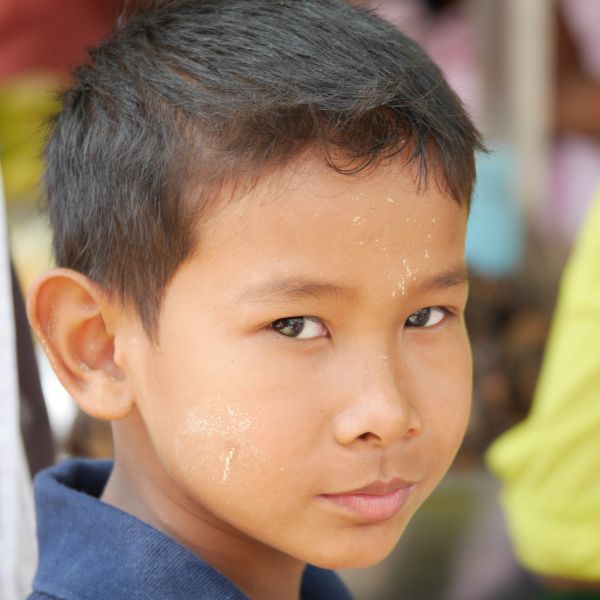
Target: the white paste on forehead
(358, 220)
(400, 287)
(428, 239)
(410, 274)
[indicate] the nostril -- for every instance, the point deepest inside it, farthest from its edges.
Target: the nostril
(373, 437)
(412, 432)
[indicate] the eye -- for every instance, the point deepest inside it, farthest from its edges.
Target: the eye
(300, 327)
(426, 317)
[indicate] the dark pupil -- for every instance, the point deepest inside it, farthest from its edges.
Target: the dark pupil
(420, 317)
(289, 326)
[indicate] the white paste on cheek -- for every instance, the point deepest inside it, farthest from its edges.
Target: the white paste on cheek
(227, 467)
(216, 423)
(212, 425)
(384, 359)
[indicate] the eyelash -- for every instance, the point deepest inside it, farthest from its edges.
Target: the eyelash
(300, 322)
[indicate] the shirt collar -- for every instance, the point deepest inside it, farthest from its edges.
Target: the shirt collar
(89, 549)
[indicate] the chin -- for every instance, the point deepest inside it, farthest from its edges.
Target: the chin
(357, 551)
(359, 558)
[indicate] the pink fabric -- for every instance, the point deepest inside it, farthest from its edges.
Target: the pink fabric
(449, 40)
(575, 158)
(50, 35)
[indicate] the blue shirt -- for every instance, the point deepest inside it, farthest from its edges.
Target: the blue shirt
(90, 550)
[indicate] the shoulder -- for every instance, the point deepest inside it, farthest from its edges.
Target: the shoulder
(89, 549)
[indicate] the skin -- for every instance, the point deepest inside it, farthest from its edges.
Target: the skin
(227, 432)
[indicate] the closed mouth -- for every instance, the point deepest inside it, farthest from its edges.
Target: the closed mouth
(376, 502)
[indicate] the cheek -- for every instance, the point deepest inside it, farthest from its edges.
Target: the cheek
(233, 462)
(199, 420)
(235, 428)
(448, 400)
(212, 440)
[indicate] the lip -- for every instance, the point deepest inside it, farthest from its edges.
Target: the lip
(376, 502)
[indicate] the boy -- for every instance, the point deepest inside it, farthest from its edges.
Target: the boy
(259, 212)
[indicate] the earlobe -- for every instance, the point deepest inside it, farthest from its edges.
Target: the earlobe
(68, 312)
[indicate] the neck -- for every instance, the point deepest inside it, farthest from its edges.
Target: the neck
(143, 489)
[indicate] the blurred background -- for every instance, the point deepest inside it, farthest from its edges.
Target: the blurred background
(528, 72)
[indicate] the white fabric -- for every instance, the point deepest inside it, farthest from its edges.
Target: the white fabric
(18, 550)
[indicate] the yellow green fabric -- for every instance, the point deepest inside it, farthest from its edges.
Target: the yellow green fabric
(550, 463)
(26, 105)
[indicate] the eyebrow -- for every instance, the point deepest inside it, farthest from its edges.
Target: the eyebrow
(455, 277)
(295, 288)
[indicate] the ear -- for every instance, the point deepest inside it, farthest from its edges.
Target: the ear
(68, 313)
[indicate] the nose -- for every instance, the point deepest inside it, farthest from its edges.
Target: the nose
(382, 407)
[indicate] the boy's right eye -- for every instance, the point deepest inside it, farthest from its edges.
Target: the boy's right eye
(300, 327)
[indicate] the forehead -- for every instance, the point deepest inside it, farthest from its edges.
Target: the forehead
(307, 215)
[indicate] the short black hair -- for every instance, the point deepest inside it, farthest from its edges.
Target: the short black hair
(186, 94)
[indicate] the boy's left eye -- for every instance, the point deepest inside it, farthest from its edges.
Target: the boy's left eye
(426, 317)
(300, 327)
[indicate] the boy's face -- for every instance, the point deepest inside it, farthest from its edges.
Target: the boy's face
(313, 345)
